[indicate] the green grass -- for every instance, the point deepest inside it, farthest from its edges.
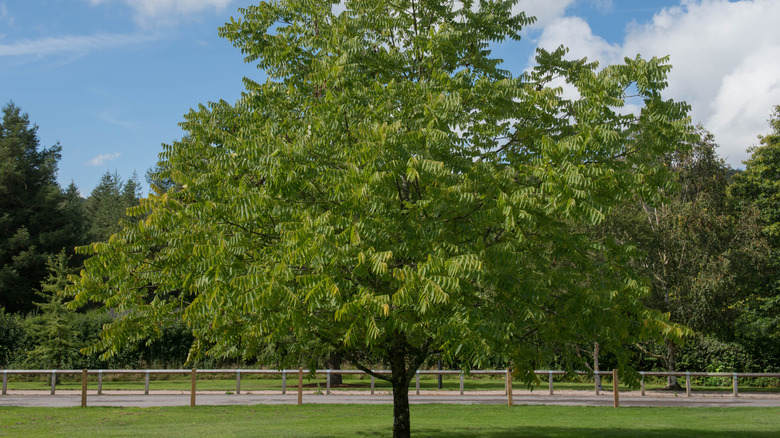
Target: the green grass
(436, 421)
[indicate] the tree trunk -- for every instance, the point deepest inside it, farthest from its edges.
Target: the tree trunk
(404, 361)
(401, 420)
(671, 365)
(333, 362)
(597, 378)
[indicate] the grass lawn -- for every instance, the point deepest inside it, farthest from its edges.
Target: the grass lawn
(376, 420)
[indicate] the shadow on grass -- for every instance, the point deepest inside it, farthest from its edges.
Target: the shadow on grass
(566, 432)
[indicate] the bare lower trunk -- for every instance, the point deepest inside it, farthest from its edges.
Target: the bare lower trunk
(401, 420)
(597, 377)
(333, 362)
(404, 360)
(671, 365)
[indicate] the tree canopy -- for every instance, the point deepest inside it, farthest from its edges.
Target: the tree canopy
(390, 192)
(758, 185)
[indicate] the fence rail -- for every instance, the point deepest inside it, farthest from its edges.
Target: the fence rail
(299, 373)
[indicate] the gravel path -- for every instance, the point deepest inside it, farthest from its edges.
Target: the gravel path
(66, 398)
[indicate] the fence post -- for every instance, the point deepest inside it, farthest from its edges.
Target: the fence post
(327, 383)
(5, 382)
(372, 384)
(643, 382)
(300, 386)
(461, 383)
(284, 382)
(192, 388)
(615, 387)
(417, 383)
(688, 383)
(238, 382)
(736, 389)
(597, 380)
(84, 388)
(100, 382)
(550, 381)
(509, 387)
(53, 380)
(146, 383)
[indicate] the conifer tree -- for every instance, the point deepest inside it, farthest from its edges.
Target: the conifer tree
(54, 341)
(36, 218)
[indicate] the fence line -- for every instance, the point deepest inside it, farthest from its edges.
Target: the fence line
(328, 372)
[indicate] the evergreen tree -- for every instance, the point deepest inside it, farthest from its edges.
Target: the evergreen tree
(36, 218)
(55, 344)
(106, 206)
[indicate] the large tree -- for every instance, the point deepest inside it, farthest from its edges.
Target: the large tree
(703, 257)
(759, 184)
(36, 218)
(389, 193)
(758, 187)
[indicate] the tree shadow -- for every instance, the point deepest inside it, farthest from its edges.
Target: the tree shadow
(569, 432)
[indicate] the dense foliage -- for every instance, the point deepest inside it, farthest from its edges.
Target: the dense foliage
(36, 216)
(703, 256)
(390, 193)
(391, 196)
(40, 225)
(107, 205)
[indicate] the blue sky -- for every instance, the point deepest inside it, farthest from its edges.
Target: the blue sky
(111, 79)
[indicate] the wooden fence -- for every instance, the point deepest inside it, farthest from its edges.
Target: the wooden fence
(299, 373)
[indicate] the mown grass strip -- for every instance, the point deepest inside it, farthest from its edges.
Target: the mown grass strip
(375, 420)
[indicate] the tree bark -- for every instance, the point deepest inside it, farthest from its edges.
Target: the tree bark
(671, 365)
(400, 380)
(333, 362)
(597, 378)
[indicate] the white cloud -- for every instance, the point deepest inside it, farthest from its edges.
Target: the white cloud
(576, 34)
(103, 159)
(5, 16)
(108, 116)
(70, 44)
(744, 100)
(167, 11)
(726, 58)
(545, 11)
(725, 64)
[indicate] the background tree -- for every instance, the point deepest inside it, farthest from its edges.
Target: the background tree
(391, 193)
(13, 337)
(759, 184)
(758, 188)
(54, 343)
(703, 257)
(36, 218)
(107, 205)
